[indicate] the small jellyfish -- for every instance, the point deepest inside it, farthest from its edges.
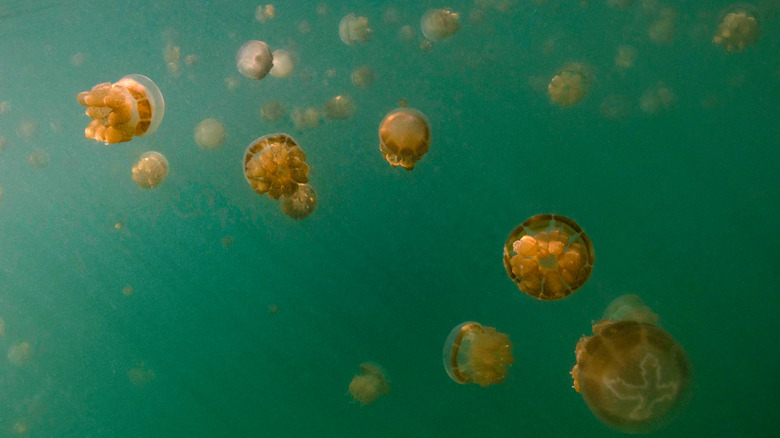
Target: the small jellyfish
(570, 85)
(2, 323)
(438, 24)
(131, 107)
(404, 137)
(354, 30)
(150, 170)
(141, 376)
(209, 134)
(738, 29)
(625, 57)
(20, 354)
(406, 34)
(632, 374)
(38, 159)
(283, 64)
(662, 30)
(305, 118)
(3, 142)
(340, 107)
(301, 203)
(254, 59)
(265, 13)
(363, 76)
(548, 256)
(478, 354)
(274, 164)
(273, 111)
(369, 384)
(657, 98)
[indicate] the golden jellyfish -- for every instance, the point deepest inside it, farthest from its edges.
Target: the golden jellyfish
(301, 203)
(363, 76)
(548, 256)
(404, 137)
(274, 164)
(340, 107)
(439, 24)
(570, 85)
(633, 375)
(265, 13)
(131, 107)
(150, 170)
(738, 29)
(477, 354)
(354, 30)
(283, 64)
(367, 386)
(254, 59)
(209, 134)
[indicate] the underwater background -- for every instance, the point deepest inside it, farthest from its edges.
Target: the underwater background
(199, 309)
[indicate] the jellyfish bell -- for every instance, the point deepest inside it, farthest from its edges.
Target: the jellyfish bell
(570, 84)
(300, 204)
(131, 107)
(273, 111)
(209, 134)
(367, 386)
(283, 64)
(739, 28)
(629, 307)
(254, 59)
(150, 170)
(353, 30)
(404, 137)
(340, 107)
(477, 354)
(363, 76)
(274, 164)
(439, 24)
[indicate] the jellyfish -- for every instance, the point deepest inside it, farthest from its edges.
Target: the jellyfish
(477, 354)
(254, 59)
(20, 354)
(354, 29)
(301, 203)
(548, 256)
(38, 158)
(657, 98)
(283, 64)
(625, 57)
(632, 374)
(274, 164)
(738, 29)
(273, 111)
(404, 137)
(2, 323)
(570, 85)
(340, 107)
(150, 170)
(131, 107)
(265, 13)
(363, 76)
(305, 118)
(3, 142)
(209, 134)
(369, 384)
(141, 376)
(438, 24)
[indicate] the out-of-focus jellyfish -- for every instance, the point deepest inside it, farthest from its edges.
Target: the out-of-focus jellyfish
(209, 134)
(231, 82)
(404, 137)
(354, 30)
(476, 354)
(305, 118)
(363, 76)
(438, 24)
(265, 13)
(131, 107)
(657, 98)
(283, 64)
(301, 203)
(3, 142)
(172, 56)
(626, 55)
(620, 4)
(632, 374)
(369, 384)
(254, 59)
(406, 33)
(2, 323)
(191, 60)
(273, 111)
(548, 256)
(340, 107)
(20, 354)
(615, 107)
(141, 376)
(274, 164)
(5, 107)
(78, 59)
(391, 15)
(570, 85)
(227, 241)
(38, 159)
(150, 170)
(304, 27)
(127, 290)
(738, 28)
(662, 30)
(27, 129)
(323, 10)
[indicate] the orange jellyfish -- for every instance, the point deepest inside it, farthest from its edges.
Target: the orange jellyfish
(632, 374)
(738, 29)
(133, 106)
(301, 203)
(404, 137)
(548, 256)
(369, 384)
(439, 24)
(150, 170)
(570, 85)
(274, 164)
(473, 353)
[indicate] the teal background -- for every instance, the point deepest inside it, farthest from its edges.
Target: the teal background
(682, 208)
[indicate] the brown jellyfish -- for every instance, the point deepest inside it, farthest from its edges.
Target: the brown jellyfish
(404, 137)
(150, 170)
(738, 29)
(274, 164)
(476, 354)
(369, 384)
(301, 203)
(569, 85)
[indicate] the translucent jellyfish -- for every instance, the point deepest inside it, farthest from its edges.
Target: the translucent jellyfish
(254, 59)
(570, 85)
(548, 256)
(657, 98)
(150, 170)
(363, 76)
(209, 134)
(615, 107)
(406, 34)
(738, 29)
(473, 353)
(131, 107)
(172, 55)
(265, 13)
(404, 137)
(283, 64)
(274, 164)
(27, 129)
(340, 107)
(438, 24)
(305, 118)
(141, 376)
(354, 30)
(620, 4)
(632, 374)
(38, 159)
(301, 203)
(662, 30)
(626, 55)
(3, 142)
(369, 384)
(20, 354)
(2, 323)
(273, 111)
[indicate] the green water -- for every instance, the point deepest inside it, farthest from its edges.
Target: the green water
(682, 207)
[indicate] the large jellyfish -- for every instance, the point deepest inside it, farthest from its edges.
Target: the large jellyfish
(353, 30)
(274, 164)
(438, 24)
(254, 59)
(404, 137)
(477, 354)
(738, 29)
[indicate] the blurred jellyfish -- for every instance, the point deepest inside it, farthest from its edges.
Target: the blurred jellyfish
(438, 24)
(254, 59)
(662, 30)
(629, 308)
(391, 15)
(340, 107)
(273, 111)
(127, 290)
(354, 29)
(5, 107)
(369, 384)
(626, 55)
(150, 170)
(231, 82)
(305, 118)
(404, 137)
(615, 107)
(363, 76)
(20, 354)
(283, 64)
(227, 241)
(426, 45)
(620, 4)
(570, 85)
(323, 10)
(38, 159)
(265, 13)
(301, 203)
(27, 129)
(738, 28)
(2, 323)
(657, 98)
(406, 33)
(191, 60)
(141, 376)
(476, 354)
(3, 142)
(209, 134)
(304, 27)
(172, 56)
(274, 164)
(78, 59)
